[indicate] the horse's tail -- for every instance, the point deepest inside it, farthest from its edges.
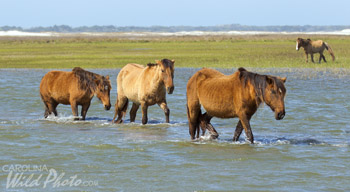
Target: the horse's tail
(47, 111)
(120, 111)
(188, 113)
(115, 112)
(329, 50)
(189, 118)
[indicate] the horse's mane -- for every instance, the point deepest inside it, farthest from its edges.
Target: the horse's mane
(86, 79)
(258, 81)
(165, 62)
(151, 64)
(306, 41)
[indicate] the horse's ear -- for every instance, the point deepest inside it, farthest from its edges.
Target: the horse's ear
(172, 63)
(241, 69)
(107, 77)
(269, 80)
(283, 79)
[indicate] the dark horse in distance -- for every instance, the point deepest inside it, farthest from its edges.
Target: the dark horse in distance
(228, 96)
(311, 47)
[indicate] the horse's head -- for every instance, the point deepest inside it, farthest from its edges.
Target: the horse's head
(302, 43)
(166, 68)
(103, 91)
(274, 95)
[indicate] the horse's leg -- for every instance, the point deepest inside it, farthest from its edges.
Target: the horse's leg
(74, 107)
(47, 111)
(144, 108)
(202, 123)
(54, 106)
(120, 108)
(133, 112)
(238, 131)
(115, 109)
(324, 58)
(319, 60)
(51, 105)
(193, 113)
(306, 57)
(84, 110)
(205, 124)
(246, 125)
(166, 110)
(312, 57)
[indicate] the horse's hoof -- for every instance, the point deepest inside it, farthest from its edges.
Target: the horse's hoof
(214, 136)
(118, 121)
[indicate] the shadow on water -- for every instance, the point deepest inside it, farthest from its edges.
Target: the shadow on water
(265, 141)
(149, 123)
(98, 119)
(102, 121)
(283, 140)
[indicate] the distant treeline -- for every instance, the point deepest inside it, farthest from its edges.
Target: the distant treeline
(233, 27)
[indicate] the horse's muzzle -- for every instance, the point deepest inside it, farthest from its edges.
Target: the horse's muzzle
(170, 89)
(280, 115)
(107, 107)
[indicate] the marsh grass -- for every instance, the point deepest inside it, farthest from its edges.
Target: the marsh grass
(264, 51)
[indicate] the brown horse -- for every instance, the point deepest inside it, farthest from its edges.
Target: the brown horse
(144, 86)
(74, 88)
(228, 96)
(311, 47)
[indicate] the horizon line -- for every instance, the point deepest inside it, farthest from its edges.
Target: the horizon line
(149, 26)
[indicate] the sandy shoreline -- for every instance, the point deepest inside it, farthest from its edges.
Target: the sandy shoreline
(164, 34)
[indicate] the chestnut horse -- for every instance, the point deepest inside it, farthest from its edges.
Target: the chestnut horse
(144, 86)
(74, 88)
(228, 96)
(311, 47)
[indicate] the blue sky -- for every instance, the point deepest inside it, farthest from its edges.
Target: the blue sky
(33, 13)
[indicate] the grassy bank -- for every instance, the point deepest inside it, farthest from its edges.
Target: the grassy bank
(213, 51)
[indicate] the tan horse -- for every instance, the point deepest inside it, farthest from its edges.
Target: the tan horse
(144, 86)
(74, 88)
(311, 47)
(228, 96)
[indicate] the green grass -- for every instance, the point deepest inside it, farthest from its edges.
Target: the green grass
(222, 52)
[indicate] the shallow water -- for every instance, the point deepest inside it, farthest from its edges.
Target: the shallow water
(307, 151)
